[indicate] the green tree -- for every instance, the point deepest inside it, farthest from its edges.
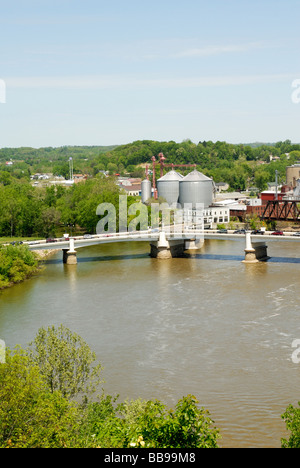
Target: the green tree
(50, 196)
(150, 424)
(188, 426)
(5, 178)
(79, 204)
(261, 180)
(66, 361)
(16, 264)
(31, 416)
(112, 168)
(292, 421)
(50, 218)
(62, 169)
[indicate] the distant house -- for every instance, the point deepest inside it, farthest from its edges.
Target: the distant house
(79, 178)
(132, 186)
(135, 181)
(221, 186)
(133, 190)
(9, 163)
(274, 158)
(41, 176)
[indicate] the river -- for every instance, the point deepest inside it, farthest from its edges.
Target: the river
(206, 325)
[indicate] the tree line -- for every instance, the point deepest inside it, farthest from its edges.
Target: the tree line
(27, 211)
(238, 165)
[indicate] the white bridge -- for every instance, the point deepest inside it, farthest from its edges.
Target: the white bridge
(166, 242)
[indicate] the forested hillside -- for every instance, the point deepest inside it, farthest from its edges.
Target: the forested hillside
(26, 210)
(238, 165)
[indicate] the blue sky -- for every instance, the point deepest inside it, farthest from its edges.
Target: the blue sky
(102, 73)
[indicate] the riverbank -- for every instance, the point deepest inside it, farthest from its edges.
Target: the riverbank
(18, 263)
(45, 254)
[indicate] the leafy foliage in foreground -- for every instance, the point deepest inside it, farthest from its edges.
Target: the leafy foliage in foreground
(150, 424)
(34, 414)
(30, 415)
(292, 421)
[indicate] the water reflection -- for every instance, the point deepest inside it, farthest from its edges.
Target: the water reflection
(70, 273)
(236, 258)
(239, 258)
(284, 260)
(199, 256)
(106, 258)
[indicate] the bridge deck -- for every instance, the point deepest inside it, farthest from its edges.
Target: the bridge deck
(146, 236)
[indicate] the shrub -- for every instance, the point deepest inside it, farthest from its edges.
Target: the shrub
(16, 264)
(150, 424)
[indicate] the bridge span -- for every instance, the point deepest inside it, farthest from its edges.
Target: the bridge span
(167, 243)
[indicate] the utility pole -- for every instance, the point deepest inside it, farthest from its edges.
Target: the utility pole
(71, 168)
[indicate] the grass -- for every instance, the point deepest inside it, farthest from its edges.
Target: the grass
(8, 240)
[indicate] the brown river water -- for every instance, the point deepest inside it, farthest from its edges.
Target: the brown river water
(206, 325)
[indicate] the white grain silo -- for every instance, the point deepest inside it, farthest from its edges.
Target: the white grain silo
(196, 188)
(146, 190)
(168, 187)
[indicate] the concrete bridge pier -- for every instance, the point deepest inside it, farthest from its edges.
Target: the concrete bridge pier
(256, 252)
(70, 255)
(194, 244)
(164, 249)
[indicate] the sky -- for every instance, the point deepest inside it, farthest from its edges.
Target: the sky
(94, 72)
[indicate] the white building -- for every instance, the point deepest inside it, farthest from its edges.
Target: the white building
(208, 218)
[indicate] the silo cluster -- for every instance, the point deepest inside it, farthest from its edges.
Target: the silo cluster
(193, 189)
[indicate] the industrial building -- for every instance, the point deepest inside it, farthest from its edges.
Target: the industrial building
(283, 203)
(194, 194)
(292, 175)
(168, 187)
(146, 190)
(196, 189)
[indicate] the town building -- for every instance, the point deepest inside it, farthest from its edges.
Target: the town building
(132, 186)
(79, 178)
(292, 174)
